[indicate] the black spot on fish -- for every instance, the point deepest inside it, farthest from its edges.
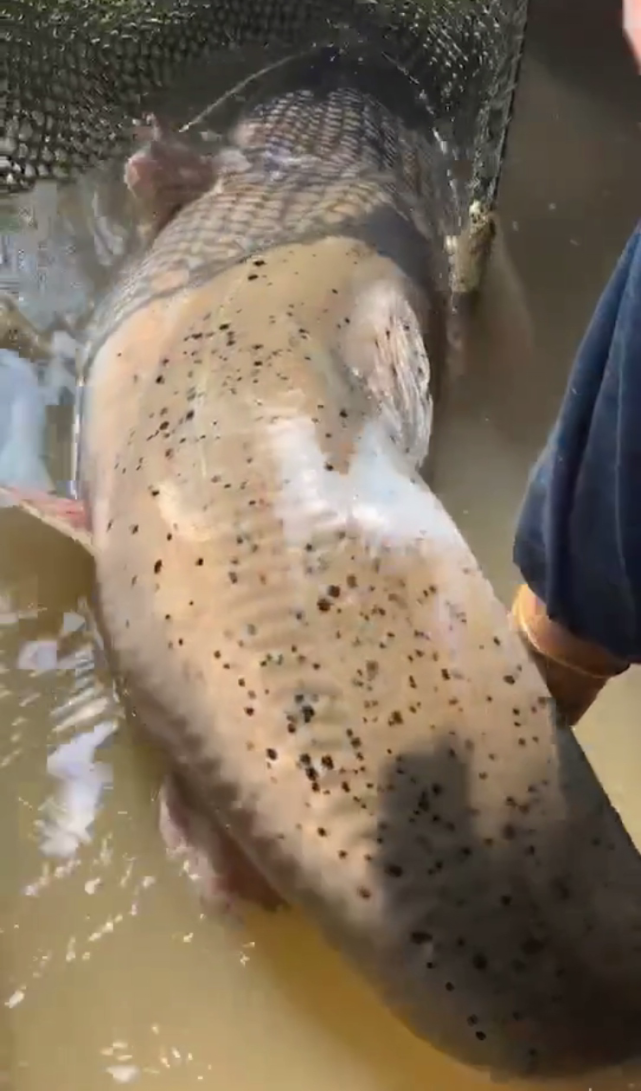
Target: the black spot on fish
(419, 938)
(561, 889)
(532, 946)
(157, 567)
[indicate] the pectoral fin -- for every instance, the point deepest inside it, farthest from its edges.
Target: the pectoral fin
(66, 516)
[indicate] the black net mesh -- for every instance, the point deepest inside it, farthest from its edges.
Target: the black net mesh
(73, 72)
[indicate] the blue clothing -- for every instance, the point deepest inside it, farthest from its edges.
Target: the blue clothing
(578, 539)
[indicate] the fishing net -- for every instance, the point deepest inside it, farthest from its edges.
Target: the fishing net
(74, 72)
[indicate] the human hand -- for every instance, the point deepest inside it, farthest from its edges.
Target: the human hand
(632, 25)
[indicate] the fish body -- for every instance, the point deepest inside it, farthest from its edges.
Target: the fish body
(300, 624)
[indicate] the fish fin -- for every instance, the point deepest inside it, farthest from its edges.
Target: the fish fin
(66, 516)
(223, 875)
(383, 347)
(175, 826)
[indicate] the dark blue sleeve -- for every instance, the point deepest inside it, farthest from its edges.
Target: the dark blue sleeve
(578, 539)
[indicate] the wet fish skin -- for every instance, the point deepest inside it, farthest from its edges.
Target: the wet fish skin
(164, 175)
(289, 136)
(299, 622)
(469, 933)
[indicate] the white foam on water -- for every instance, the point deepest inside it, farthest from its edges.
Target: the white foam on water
(71, 812)
(22, 423)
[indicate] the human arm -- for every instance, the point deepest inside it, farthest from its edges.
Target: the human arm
(578, 539)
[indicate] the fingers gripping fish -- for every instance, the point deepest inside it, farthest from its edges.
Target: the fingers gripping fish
(300, 624)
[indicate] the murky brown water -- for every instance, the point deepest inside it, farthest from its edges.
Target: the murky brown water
(108, 972)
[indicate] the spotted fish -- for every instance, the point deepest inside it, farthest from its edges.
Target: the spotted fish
(298, 621)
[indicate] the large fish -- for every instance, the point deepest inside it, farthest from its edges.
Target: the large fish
(299, 622)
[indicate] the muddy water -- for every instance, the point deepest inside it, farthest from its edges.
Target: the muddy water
(108, 972)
